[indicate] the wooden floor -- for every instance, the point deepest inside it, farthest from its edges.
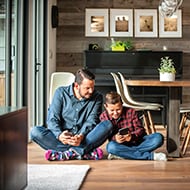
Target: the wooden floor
(127, 174)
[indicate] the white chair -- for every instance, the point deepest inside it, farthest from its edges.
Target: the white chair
(147, 118)
(148, 105)
(129, 97)
(119, 90)
(60, 79)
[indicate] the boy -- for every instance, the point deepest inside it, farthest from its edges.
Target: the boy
(135, 144)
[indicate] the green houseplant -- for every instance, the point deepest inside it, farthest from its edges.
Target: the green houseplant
(121, 45)
(167, 69)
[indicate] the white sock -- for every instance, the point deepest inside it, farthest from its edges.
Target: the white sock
(159, 156)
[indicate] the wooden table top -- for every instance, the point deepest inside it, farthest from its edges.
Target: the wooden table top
(152, 82)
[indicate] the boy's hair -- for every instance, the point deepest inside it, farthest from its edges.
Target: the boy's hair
(83, 73)
(112, 98)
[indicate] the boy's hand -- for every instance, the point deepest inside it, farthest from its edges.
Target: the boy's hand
(122, 138)
(128, 137)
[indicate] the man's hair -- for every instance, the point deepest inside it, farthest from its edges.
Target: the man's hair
(112, 98)
(83, 73)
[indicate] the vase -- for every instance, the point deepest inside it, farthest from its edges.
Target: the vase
(115, 48)
(167, 76)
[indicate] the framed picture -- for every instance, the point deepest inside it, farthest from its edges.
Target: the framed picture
(96, 23)
(170, 26)
(121, 22)
(146, 23)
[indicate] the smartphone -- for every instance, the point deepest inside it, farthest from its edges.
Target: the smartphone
(123, 131)
(68, 133)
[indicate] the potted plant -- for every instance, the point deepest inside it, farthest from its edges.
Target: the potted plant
(121, 45)
(167, 69)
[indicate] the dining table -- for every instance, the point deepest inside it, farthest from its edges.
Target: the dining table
(172, 107)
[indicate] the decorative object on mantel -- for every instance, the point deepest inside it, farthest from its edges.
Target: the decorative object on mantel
(93, 47)
(121, 45)
(167, 70)
(168, 7)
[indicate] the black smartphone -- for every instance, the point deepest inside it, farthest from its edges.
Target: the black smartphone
(68, 133)
(123, 131)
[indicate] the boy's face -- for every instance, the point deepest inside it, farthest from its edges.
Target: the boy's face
(114, 110)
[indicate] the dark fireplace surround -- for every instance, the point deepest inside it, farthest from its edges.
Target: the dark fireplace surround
(133, 65)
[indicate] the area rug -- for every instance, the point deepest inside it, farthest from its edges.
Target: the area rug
(56, 177)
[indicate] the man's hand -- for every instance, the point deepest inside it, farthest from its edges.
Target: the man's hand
(67, 138)
(76, 140)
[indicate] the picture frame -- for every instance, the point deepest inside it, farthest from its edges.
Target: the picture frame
(171, 27)
(121, 22)
(96, 22)
(146, 23)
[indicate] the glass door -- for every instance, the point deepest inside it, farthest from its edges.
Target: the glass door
(3, 28)
(11, 52)
(37, 63)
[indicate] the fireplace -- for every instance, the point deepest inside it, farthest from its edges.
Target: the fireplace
(133, 65)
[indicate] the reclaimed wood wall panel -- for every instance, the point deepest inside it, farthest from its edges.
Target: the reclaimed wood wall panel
(76, 19)
(71, 40)
(70, 33)
(71, 59)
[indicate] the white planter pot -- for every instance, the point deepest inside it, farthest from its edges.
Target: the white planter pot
(167, 76)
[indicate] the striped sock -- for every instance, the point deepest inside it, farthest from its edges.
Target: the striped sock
(96, 154)
(53, 155)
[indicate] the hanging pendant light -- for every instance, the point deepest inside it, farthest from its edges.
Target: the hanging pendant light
(168, 7)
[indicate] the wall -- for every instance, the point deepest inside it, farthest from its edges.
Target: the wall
(71, 40)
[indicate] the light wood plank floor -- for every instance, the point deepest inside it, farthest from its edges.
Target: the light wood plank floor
(127, 174)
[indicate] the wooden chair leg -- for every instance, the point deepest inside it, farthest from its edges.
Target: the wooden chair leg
(185, 140)
(146, 123)
(182, 124)
(153, 129)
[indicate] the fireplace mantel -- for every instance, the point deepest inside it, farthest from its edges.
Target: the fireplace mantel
(133, 65)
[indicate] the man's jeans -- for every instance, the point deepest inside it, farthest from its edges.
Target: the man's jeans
(143, 151)
(46, 139)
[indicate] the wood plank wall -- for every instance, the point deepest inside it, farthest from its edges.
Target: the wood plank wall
(71, 40)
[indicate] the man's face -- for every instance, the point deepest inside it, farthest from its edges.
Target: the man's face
(86, 88)
(114, 110)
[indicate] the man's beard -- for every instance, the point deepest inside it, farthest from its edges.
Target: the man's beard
(83, 96)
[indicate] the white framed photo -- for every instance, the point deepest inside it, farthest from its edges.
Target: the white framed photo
(96, 22)
(121, 22)
(171, 27)
(146, 23)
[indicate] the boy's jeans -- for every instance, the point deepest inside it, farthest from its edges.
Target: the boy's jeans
(143, 151)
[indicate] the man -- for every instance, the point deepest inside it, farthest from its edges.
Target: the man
(132, 142)
(72, 129)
